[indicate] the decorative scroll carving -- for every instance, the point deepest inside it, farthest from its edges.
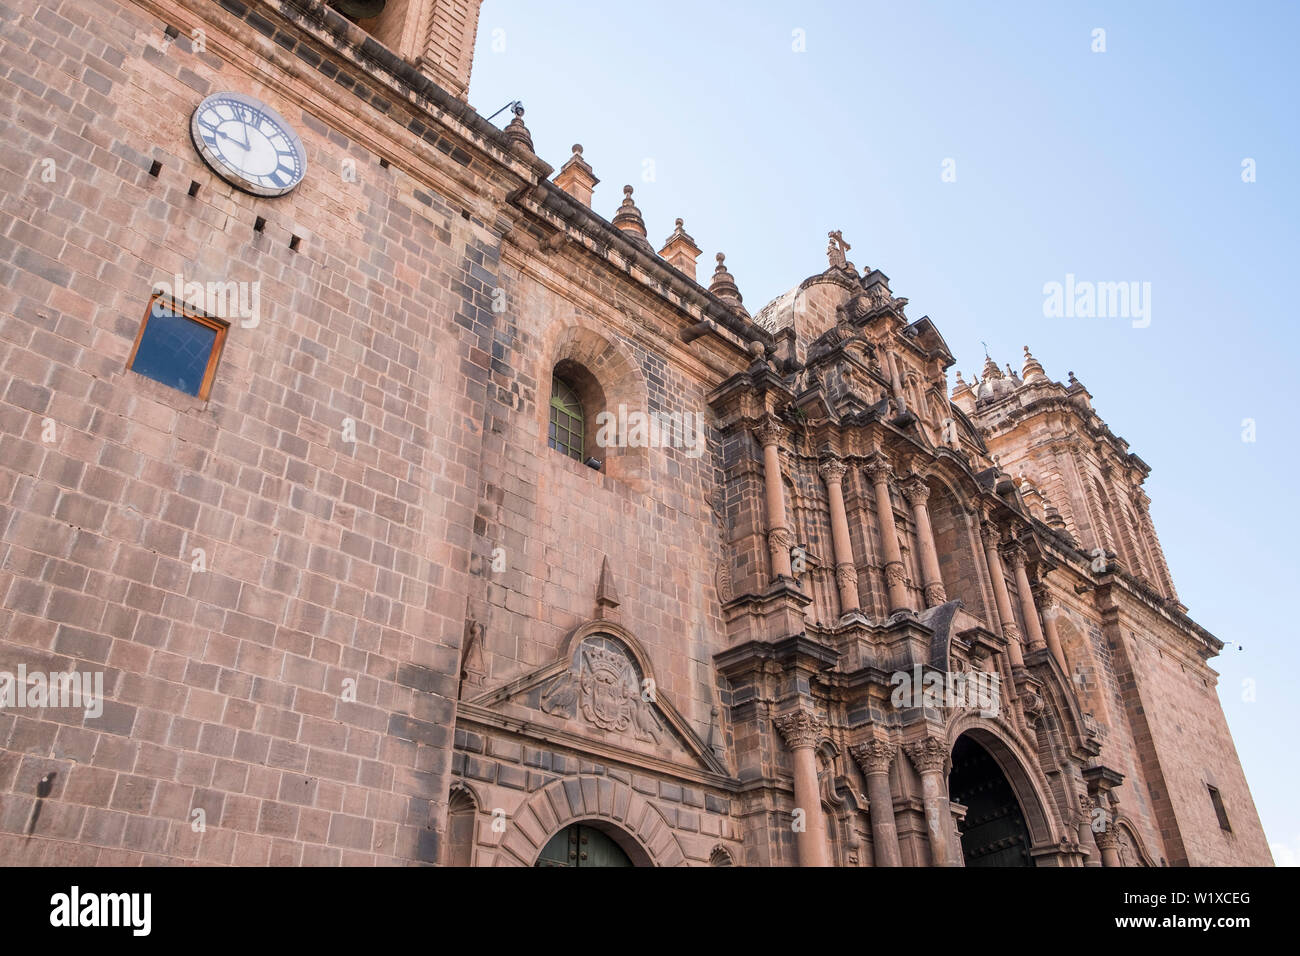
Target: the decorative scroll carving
(894, 572)
(722, 581)
(935, 594)
(800, 728)
(874, 756)
(846, 574)
(605, 688)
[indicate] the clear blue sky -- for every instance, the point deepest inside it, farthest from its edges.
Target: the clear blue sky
(1122, 165)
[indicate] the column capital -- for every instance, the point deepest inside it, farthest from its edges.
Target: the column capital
(990, 534)
(879, 469)
(915, 490)
(800, 728)
(928, 754)
(770, 431)
(1015, 553)
(873, 756)
(832, 470)
(1105, 838)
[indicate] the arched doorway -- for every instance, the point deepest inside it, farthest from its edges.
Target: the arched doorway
(581, 844)
(994, 832)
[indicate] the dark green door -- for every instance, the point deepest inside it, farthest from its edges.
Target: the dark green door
(578, 845)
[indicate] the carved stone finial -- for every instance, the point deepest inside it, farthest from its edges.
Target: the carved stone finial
(1032, 370)
(800, 728)
(680, 250)
(576, 177)
(628, 218)
(517, 132)
(606, 594)
(723, 283)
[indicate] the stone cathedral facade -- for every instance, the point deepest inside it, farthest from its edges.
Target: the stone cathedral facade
(411, 511)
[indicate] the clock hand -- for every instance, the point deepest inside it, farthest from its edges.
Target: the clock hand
(232, 139)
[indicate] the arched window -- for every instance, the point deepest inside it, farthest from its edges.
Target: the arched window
(567, 420)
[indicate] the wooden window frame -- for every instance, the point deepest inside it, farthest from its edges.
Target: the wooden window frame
(566, 448)
(220, 326)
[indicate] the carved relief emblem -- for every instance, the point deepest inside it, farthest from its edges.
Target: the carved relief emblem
(607, 687)
(604, 686)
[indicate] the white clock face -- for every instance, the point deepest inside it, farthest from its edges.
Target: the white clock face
(248, 144)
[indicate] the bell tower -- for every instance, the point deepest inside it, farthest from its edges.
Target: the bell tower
(436, 35)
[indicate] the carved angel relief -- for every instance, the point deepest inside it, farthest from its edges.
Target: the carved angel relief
(604, 687)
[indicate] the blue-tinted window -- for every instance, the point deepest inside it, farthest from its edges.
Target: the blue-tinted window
(175, 349)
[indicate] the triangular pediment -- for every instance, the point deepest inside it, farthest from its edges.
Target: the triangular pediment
(601, 689)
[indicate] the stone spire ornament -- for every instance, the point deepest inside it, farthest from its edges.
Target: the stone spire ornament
(723, 284)
(607, 601)
(1032, 371)
(680, 251)
(991, 369)
(576, 177)
(517, 132)
(628, 218)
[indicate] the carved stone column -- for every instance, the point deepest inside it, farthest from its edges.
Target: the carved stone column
(917, 492)
(1050, 609)
(929, 755)
(846, 572)
(801, 731)
(874, 757)
(1028, 610)
(879, 471)
(1003, 600)
(779, 541)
